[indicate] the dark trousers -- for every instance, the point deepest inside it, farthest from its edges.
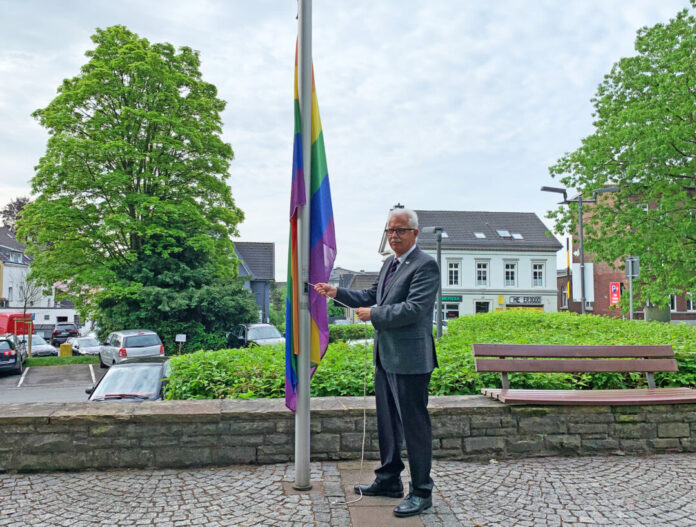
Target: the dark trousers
(402, 413)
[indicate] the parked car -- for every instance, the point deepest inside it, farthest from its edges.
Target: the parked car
(259, 334)
(84, 345)
(140, 379)
(128, 344)
(62, 332)
(39, 347)
(11, 359)
(342, 322)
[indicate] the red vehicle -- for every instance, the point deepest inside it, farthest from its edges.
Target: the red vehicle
(16, 323)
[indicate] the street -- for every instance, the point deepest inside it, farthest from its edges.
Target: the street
(65, 384)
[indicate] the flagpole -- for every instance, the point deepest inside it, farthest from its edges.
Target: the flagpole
(302, 438)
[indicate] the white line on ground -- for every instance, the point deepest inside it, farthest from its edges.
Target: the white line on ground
(91, 371)
(21, 379)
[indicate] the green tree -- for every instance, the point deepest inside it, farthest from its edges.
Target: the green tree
(131, 192)
(644, 142)
(334, 310)
(277, 313)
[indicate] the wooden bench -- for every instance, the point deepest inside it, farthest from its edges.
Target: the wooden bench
(520, 358)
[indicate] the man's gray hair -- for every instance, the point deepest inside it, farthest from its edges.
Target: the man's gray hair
(412, 216)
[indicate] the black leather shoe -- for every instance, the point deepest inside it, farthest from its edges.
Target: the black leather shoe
(380, 488)
(412, 505)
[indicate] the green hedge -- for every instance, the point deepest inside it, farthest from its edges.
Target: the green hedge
(259, 372)
(350, 332)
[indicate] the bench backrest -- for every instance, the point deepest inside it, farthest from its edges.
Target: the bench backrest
(508, 358)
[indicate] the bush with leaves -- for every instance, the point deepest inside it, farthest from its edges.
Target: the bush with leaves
(260, 373)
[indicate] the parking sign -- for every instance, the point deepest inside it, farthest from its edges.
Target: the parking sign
(614, 293)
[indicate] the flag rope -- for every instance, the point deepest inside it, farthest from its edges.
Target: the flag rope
(364, 427)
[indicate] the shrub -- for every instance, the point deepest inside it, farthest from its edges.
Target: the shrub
(350, 332)
(260, 372)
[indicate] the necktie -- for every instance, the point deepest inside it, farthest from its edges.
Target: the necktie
(390, 272)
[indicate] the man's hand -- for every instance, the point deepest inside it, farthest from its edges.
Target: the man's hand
(363, 313)
(325, 290)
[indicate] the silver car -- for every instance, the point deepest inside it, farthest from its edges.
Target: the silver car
(84, 345)
(39, 347)
(128, 344)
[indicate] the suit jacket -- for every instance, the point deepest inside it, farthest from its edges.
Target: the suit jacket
(402, 313)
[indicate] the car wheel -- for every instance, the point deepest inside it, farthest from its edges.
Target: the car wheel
(101, 362)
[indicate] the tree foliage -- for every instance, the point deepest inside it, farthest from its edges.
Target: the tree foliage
(132, 203)
(11, 212)
(644, 142)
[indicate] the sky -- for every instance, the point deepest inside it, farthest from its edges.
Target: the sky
(437, 105)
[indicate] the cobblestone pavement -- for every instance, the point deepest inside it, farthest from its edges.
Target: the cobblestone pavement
(619, 491)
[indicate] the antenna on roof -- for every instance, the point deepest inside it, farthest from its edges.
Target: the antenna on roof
(398, 206)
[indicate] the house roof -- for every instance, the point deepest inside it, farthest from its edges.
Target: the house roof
(8, 240)
(522, 231)
(9, 245)
(363, 280)
(258, 259)
(337, 272)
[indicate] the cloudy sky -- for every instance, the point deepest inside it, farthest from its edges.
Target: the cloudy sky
(438, 104)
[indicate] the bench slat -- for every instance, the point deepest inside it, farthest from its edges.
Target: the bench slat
(552, 351)
(575, 366)
(594, 397)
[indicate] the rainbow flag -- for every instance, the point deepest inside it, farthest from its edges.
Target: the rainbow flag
(322, 247)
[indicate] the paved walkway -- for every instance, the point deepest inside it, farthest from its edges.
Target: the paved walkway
(620, 491)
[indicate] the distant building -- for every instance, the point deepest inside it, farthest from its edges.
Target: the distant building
(601, 276)
(16, 294)
(491, 261)
(358, 281)
(257, 266)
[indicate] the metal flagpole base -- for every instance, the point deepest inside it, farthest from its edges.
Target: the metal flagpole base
(302, 487)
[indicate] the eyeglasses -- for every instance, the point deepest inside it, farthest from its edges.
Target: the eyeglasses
(400, 231)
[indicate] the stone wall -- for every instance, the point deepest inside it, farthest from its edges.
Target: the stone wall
(76, 436)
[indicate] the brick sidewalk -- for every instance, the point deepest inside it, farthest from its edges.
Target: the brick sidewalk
(586, 491)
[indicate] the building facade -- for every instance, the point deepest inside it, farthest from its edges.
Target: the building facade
(257, 267)
(491, 261)
(18, 295)
(602, 291)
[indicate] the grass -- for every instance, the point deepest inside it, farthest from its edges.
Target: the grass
(60, 361)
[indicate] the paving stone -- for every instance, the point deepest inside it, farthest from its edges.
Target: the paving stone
(619, 491)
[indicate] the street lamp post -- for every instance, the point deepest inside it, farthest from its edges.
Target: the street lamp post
(581, 249)
(440, 233)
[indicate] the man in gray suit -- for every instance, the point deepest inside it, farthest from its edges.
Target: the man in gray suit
(400, 306)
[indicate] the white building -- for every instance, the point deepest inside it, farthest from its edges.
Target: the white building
(18, 295)
(491, 261)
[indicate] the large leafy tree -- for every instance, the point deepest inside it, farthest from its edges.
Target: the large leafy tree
(131, 193)
(644, 142)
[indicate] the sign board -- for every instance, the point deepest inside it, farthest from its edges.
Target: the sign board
(589, 282)
(632, 267)
(181, 337)
(614, 293)
(524, 300)
(452, 298)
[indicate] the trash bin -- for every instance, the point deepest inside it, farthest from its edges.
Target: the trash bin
(66, 350)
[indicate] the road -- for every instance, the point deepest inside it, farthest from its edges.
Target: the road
(63, 384)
